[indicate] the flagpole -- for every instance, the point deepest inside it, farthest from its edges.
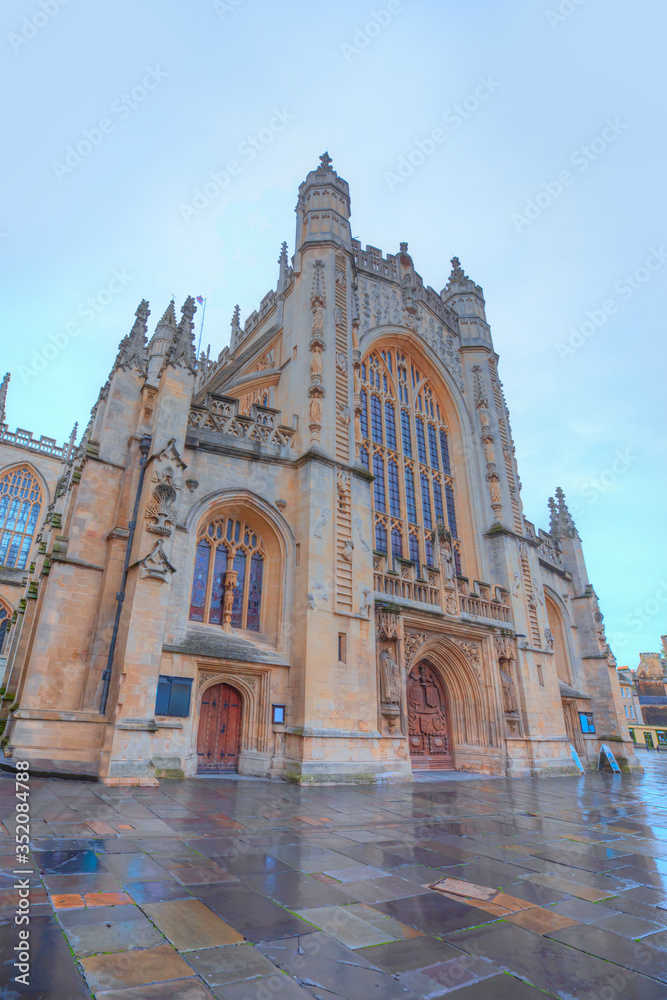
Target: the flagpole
(201, 328)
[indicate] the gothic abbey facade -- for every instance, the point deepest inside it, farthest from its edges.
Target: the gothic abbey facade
(306, 559)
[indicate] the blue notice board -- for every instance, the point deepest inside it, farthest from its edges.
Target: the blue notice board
(611, 760)
(577, 760)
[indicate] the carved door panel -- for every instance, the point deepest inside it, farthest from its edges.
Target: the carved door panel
(219, 732)
(428, 725)
(573, 728)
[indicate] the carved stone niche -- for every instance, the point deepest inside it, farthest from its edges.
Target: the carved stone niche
(390, 684)
(506, 659)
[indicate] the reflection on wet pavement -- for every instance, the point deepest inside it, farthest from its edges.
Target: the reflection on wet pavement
(253, 890)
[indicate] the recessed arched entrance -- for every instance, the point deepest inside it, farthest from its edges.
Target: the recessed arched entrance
(219, 734)
(429, 729)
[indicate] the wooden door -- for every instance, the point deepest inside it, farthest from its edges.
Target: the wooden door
(219, 733)
(428, 725)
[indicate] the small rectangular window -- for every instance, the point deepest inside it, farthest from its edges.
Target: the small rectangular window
(540, 675)
(661, 735)
(278, 714)
(173, 696)
(342, 647)
(297, 555)
(632, 735)
(586, 721)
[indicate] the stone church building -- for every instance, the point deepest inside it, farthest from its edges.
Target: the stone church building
(306, 559)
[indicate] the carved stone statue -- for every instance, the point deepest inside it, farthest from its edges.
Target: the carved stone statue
(315, 410)
(390, 679)
(316, 361)
(447, 554)
(509, 692)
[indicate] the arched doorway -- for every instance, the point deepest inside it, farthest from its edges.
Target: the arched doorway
(219, 735)
(429, 730)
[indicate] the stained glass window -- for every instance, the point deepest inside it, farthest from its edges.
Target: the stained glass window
(20, 505)
(227, 543)
(390, 424)
(376, 420)
(444, 446)
(407, 462)
(421, 441)
(378, 485)
(396, 543)
(426, 501)
(394, 489)
(433, 446)
(451, 510)
(405, 432)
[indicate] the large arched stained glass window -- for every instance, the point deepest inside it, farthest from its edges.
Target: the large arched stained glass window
(413, 492)
(227, 543)
(20, 504)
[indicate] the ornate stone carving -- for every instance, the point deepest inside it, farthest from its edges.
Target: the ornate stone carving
(155, 565)
(366, 605)
(207, 675)
(162, 508)
(510, 704)
(412, 642)
(228, 600)
(505, 647)
(388, 625)
(391, 681)
(361, 534)
(342, 363)
(318, 596)
(472, 653)
(322, 520)
(347, 550)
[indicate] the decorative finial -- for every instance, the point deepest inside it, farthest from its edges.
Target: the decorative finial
(326, 160)
(283, 253)
(458, 274)
(3, 396)
(169, 317)
(553, 518)
(565, 523)
(236, 319)
(132, 350)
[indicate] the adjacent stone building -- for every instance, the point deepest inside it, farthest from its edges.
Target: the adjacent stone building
(306, 559)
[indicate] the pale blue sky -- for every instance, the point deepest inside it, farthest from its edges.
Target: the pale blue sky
(591, 421)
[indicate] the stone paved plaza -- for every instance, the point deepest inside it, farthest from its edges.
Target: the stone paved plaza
(252, 890)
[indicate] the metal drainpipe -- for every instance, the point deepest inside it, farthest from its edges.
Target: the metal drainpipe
(144, 447)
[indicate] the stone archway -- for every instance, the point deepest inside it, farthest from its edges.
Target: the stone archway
(219, 733)
(429, 725)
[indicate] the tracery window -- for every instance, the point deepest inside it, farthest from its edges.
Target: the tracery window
(20, 504)
(413, 490)
(228, 544)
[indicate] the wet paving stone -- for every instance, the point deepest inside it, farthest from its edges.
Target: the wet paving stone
(297, 891)
(501, 987)
(552, 966)
(107, 929)
(434, 913)
(134, 867)
(134, 968)
(181, 989)
(254, 916)
(190, 924)
(256, 864)
(635, 955)
(102, 882)
(277, 987)
(53, 974)
(415, 953)
(67, 862)
(231, 964)
(157, 892)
